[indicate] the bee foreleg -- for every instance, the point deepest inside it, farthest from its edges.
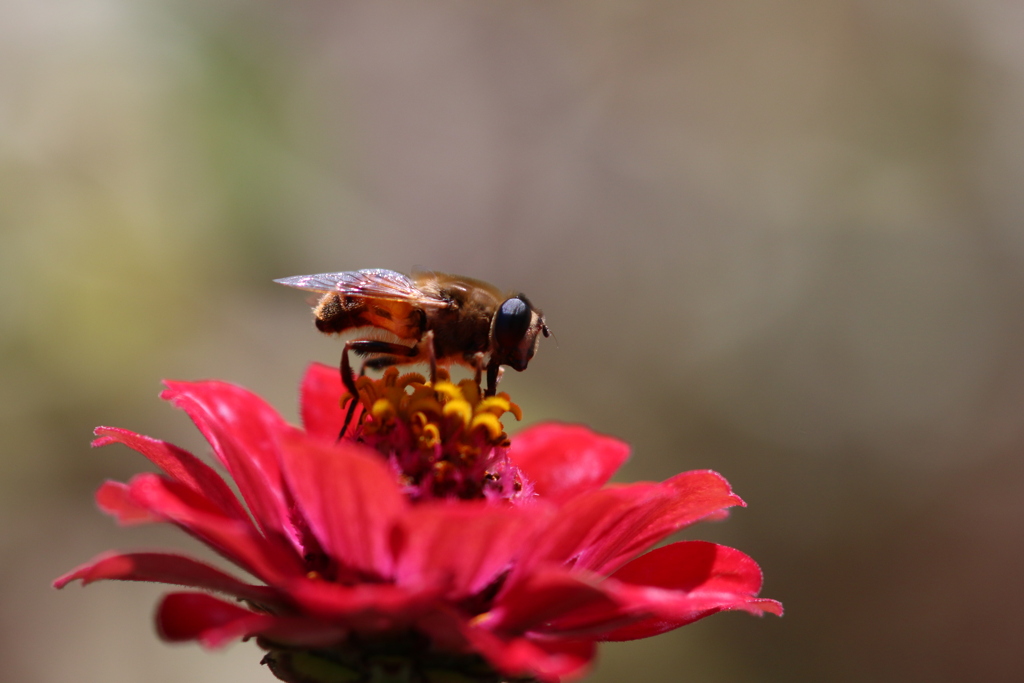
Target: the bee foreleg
(493, 375)
(428, 339)
(363, 347)
(350, 385)
(478, 367)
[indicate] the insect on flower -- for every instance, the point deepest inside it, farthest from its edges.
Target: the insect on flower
(431, 317)
(368, 567)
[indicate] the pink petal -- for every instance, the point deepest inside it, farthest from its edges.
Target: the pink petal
(243, 431)
(179, 464)
(235, 539)
(114, 498)
(320, 401)
(165, 568)
(461, 547)
(563, 461)
(349, 499)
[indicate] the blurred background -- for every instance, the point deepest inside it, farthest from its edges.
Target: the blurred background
(782, 240)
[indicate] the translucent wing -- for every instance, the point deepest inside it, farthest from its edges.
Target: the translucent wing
(372, 283)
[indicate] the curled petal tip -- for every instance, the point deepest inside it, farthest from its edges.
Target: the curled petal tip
(103, 436)
(767, 606)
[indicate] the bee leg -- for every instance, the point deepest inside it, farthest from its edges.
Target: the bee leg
(493, 375)
(478, 367)
(428, 339)
(363, 347)
(349, 383)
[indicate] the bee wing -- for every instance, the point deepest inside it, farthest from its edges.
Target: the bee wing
(372, 283)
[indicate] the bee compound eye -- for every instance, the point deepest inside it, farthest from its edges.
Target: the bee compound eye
(511, 322)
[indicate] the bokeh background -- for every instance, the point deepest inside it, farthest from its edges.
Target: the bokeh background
(779, 239)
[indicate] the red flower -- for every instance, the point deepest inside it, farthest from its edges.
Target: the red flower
(363, 558)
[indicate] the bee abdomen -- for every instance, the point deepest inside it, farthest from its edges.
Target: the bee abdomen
(335, 313)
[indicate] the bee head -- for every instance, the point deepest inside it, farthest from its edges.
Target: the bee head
(515, 331)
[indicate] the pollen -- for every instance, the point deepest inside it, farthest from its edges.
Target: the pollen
(382, 410)
(459, 409)
(482, 619)
(488, 423)
(444, 439)
(430, 437)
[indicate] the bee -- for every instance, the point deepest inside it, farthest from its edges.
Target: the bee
(433, 318)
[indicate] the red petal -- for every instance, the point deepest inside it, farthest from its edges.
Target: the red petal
(362, 607)
(700, 568)
(349, 498)
(564, 461)
(235, 539)
(202, 617)
(165, 568)
(691, 497)
(689, 565)
(320, 401)
(214, 622)
(462, 547)
(644, 612)
(243, 431)
(546, 660)
(114, 498)
(590, 524)
(668, 588)
(600, 530)
(546, 595)
(179, 464)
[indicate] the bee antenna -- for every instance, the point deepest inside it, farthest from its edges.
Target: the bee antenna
(546, 331)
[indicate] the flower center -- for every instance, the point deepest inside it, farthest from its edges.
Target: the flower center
(444, 440)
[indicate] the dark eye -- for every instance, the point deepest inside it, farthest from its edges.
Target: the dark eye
(511, 322)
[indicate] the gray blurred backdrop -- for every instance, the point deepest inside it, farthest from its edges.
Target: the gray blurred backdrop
(778, 239)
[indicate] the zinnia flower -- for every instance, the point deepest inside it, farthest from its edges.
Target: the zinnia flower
(424, 546)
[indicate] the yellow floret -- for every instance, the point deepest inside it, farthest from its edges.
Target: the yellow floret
(442, 413)
(459, 408)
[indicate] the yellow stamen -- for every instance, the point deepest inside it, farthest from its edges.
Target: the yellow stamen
(425, 405)
(489, 422)
(452, 426)
(410, 378)
(430, 437)
(448, 390)
(496, 405)
(471, 390)
(382, 410)
(460, 408)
